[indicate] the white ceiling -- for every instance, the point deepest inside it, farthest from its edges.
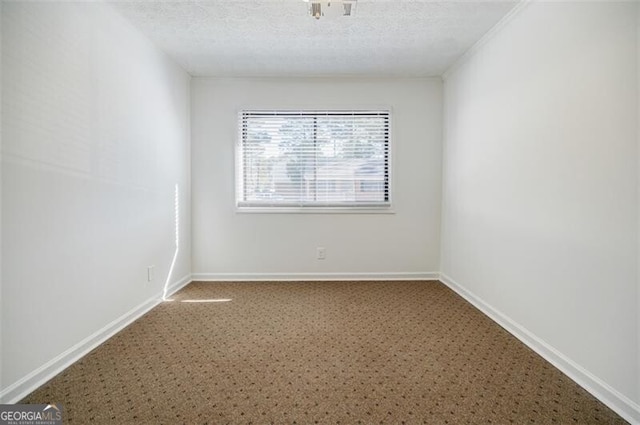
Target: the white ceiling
(279, 38)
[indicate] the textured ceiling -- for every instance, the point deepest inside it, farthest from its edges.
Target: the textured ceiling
(279, 38)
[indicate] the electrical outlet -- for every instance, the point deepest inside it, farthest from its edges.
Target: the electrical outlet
(321, 253)
(150, 273)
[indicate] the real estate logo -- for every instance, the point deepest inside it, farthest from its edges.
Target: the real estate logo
(30, 414)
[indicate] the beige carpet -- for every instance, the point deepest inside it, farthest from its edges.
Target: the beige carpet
(318, 353)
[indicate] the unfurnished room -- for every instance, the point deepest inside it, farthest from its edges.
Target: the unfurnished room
(320, 212)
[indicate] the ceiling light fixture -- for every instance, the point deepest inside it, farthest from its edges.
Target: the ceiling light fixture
(331, 8)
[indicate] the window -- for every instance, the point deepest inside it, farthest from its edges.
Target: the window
(316, 159)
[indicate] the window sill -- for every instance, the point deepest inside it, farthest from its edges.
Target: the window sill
(312, 210)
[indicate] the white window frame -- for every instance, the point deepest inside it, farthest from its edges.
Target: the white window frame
(378, 208)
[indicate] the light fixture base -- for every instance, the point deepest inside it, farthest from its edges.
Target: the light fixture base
(331, 9)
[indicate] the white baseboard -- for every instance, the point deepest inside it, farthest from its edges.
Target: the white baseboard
(243, 277)
(178, 285)
(24, 386)
(618, 402)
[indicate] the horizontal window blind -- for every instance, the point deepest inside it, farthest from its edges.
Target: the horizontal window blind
(314, 159)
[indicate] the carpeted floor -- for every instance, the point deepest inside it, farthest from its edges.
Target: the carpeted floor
(318, 353)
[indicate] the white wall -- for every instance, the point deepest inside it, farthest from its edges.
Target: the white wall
(95, 136)
(540, 202)
(1, 195)
(638, 193)
(231, 244)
